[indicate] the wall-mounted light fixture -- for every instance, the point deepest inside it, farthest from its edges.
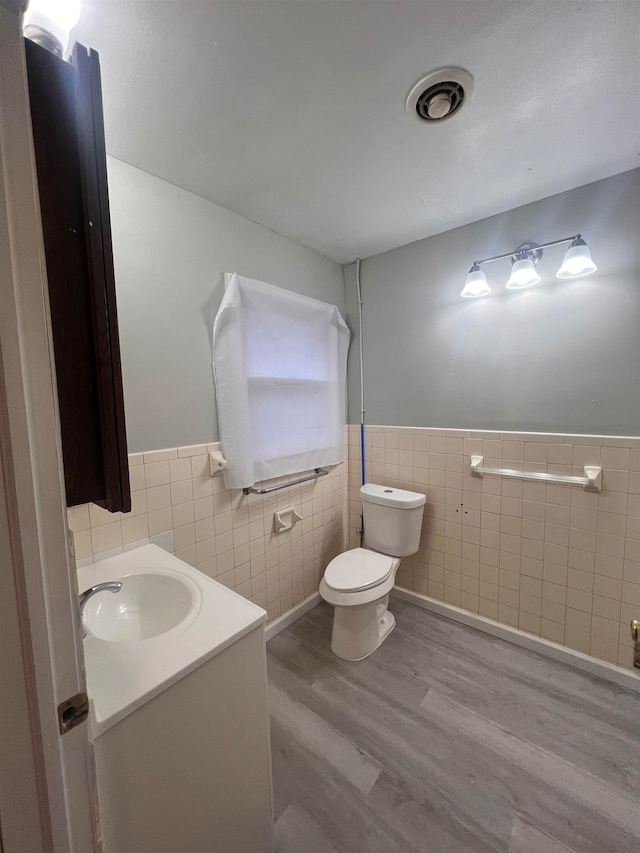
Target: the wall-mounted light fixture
(576, 264)
(49, 23)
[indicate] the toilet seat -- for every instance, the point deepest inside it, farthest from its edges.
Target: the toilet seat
(359, 569)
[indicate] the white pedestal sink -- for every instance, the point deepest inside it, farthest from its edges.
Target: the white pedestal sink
(176, 676)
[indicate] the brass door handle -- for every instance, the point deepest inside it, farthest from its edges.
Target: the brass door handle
(635, 636)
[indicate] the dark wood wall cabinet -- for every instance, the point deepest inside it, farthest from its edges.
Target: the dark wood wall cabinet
(68, 136)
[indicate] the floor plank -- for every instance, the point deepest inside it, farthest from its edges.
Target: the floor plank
(447, 740)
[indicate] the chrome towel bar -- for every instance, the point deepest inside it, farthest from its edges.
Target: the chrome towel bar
(318, 472)
(591, 482)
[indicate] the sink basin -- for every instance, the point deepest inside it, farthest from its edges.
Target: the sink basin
(150, 603)
(167, 619)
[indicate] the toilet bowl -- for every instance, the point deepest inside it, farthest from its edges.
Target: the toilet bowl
(357, 583)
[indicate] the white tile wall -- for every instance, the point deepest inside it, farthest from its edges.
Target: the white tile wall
(551, 560)
(225, 534)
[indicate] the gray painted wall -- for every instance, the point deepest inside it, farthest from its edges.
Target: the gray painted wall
(171, 251)
(559, 357)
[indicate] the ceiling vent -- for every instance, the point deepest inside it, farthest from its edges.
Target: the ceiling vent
(439, 95)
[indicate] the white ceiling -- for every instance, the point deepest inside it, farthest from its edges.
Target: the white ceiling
(291, 112)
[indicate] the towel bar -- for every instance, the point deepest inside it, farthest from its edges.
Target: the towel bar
(318, 472)
(591, 482)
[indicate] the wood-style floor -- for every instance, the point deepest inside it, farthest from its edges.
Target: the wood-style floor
(447, 740)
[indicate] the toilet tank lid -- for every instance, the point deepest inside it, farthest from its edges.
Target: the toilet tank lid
(386, 496)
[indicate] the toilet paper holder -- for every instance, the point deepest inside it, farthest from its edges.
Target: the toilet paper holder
(285, 519)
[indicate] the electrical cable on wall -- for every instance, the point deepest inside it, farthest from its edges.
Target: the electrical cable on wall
(362, 409)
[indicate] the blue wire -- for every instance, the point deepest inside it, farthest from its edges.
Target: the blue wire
(362, 469)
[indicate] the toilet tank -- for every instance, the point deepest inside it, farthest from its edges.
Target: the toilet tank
(392, 519)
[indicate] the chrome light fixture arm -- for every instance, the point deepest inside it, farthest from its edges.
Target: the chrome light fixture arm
(532, 248)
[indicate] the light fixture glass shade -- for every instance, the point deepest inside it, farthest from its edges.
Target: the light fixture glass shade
(523, 274)
(577, 261)
(55, 17)
(476, 284)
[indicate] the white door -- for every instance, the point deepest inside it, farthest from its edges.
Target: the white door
(47, 790)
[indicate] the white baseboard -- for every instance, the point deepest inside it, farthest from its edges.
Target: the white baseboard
(617, 674)
(290, 616)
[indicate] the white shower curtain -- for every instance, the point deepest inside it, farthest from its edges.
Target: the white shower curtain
(279, 362)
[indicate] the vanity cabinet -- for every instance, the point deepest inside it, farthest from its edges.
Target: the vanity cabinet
(68, 139)
(190, 770)
(180, 719)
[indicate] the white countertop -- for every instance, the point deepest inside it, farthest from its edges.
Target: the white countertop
(123, 676)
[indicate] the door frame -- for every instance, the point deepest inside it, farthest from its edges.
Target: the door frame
(48, 798)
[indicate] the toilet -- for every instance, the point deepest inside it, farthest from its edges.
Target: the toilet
(357, 583)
